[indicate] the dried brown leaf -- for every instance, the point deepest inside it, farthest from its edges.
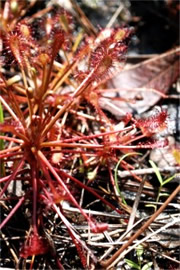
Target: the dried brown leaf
(144, 83)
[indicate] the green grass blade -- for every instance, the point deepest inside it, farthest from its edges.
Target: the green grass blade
(147, 266)
(132, 264)
(168, 179)
(116, 173)
(157, 172)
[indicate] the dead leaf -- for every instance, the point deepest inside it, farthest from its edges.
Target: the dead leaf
(144, 83)
(167, 156)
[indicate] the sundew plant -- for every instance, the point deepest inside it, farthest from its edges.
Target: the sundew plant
(56, 138)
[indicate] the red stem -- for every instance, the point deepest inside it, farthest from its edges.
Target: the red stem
(10, 155)
(96, 135)
(34, 180)
(92, 191)
(71, 145)
(13, 175)
(45, 162)
(12, 212)
(10, 150)
(11, 139)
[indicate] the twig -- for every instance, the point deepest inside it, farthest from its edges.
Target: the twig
(146, 238)
(83, 18)
(99, 237)
(172, 97)
(142, 56)
(164, 255)
(120, 239)
(141, 230)
(171, 169)
(10, 248)
(115, 15)
(98, 213)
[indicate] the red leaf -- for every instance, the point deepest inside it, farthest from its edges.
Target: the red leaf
(13, 127)
(153, 124)
(109, 52)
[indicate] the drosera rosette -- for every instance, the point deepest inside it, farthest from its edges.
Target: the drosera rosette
(46, 128)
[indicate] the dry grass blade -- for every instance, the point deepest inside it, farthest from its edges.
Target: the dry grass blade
(115, 15)
(135, 206)
(83, 19)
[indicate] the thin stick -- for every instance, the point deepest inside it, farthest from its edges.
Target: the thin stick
(141, 230)
(120, 239)
(10, 248)
(171, 169)
(115, 15)
(165, 256)
(145, 239)
(83, 18)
